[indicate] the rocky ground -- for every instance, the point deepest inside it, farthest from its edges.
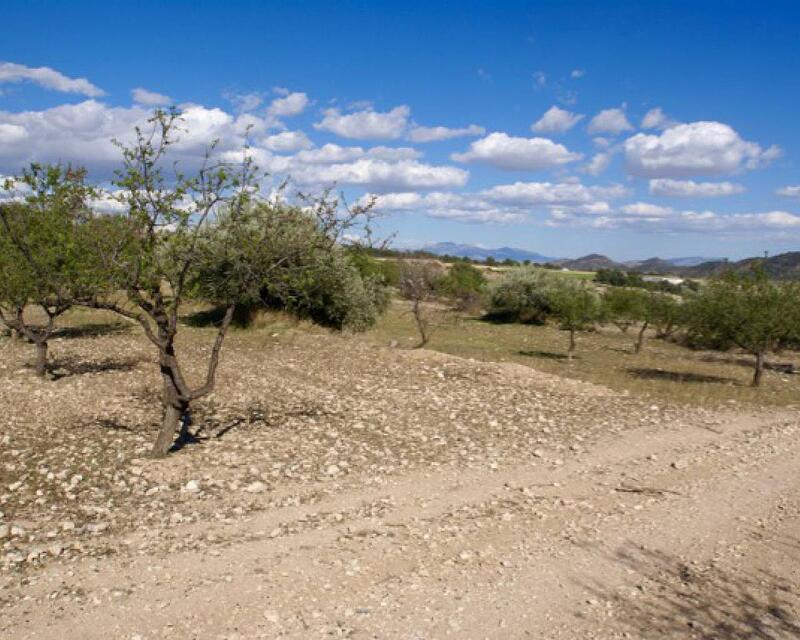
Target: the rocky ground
(340, 489)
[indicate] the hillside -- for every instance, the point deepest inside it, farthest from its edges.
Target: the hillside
(784, 266)
(591, 262)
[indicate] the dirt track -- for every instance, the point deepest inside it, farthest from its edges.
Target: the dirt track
(423, 497)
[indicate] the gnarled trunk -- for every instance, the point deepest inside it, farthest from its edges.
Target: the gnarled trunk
(640, 338)
(41, 358)
(173, 419)
(175, 405)
(421, 324)
(758, 369)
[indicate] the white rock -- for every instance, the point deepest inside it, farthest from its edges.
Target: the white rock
(5, 531)
(256, 487)
(271, 616)
(193, 486)
(332, 470)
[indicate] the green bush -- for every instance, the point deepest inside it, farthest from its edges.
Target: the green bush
(310, 278)
(464, 284)
(522, 295)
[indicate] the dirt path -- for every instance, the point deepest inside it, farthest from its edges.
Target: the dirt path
(667, 528)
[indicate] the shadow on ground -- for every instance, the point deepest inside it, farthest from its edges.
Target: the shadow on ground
(211, 426)
(68, 366)
(672, 599)
(549, 355)
(678, 376)
(93, 330)
(781, 367)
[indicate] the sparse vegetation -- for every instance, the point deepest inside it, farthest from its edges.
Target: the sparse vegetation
(419, 282)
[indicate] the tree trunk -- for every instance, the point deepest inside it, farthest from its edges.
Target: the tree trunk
(41, 358)
(175, 408)
(173, 416)
(759, 369)
(423, 333)
(640, 338)
(571, 351)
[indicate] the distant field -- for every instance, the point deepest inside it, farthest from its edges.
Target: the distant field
(663, 370)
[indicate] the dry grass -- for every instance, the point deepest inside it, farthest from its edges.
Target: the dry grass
(662, 370)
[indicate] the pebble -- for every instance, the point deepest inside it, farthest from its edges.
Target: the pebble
(256, 487)
(193, 486)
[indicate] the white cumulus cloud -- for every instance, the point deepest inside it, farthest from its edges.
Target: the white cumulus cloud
(657, 119)
(612, 121)
(697, 148)
(150, 98)
(419, 133)
(523, 154)
(288, 105)
(366, 124)
(287, 141)
(599, 163)
(786, 192)
(556, 120)
(47, 78)
(692, 189)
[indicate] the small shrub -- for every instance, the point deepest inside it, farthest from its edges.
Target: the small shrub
(522, 295)
(465, 285)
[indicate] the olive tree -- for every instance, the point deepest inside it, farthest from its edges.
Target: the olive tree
(667, 314)
(40, 253)
(464, 284)
(419, 280)
(210, 222)
(522, 295)
(304, 269)
(747, 310)
(622, 306)
(575, 307)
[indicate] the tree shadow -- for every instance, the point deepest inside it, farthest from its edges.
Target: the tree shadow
(243, 317)
(549, 355)
(92, 330)
(672, 599)
(781, 367)
(69, 366)
(210, 428)
(679, 376)
(500, 318)
(112, 424)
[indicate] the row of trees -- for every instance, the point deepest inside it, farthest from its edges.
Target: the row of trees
(747, 311)
(206, 234)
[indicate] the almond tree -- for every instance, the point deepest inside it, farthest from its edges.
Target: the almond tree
(208, 231)
(40, 253)
(419, 280)
(575, 307)
(747, 310)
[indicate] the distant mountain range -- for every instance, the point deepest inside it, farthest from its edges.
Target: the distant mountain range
(479, 253)
(784, 266)
(592, 262)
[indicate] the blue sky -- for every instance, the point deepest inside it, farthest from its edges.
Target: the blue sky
(671, 128)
